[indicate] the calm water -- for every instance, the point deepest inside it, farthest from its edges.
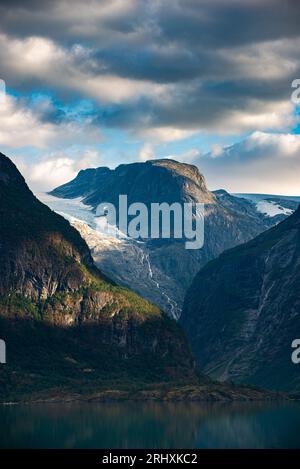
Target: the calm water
(150, 425)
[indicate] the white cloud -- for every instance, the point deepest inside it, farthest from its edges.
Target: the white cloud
(271, 60)
(56, 169)
(189, 156)
(21, 126)
(281, 145)
(147, 152)
(257, 115)
(216, 150)
(72, 69)
(165, 134)
(263, 162)
(111, 88)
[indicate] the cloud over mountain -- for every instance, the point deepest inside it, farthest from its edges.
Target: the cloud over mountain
(169, 76)
(263, 162)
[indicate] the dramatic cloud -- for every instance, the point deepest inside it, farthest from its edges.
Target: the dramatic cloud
(188, 65)
(41, 62)
(160, 72)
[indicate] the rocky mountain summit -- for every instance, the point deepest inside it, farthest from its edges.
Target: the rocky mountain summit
(164, 266)
(153, 181)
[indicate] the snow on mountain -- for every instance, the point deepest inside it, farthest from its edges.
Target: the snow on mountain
(124, 260)
(271, 208)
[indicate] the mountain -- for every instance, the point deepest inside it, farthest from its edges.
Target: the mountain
(242, 311)
(66, 326)
(161, 270)
(70, 332)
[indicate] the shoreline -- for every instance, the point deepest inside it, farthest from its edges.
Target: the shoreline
(188, 395)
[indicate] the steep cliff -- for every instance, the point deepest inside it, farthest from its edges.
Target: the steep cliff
(242, 311)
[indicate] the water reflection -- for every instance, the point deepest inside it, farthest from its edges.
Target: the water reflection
(150, 425)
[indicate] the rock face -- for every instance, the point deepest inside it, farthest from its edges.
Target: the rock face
(242, 311)
(40, 253)
(65, 324)
(165, 268)
(154, 181)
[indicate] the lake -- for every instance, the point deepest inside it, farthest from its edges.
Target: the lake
(150, 425)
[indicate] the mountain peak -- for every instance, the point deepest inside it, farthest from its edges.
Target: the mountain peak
(181, 169)
(8, 171)
(185, 170)
(163, 180)
(221, 192)
(26, 222)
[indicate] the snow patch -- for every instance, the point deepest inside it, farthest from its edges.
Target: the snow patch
(271, 209)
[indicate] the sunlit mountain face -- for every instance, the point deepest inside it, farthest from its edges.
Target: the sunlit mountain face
(110, 82)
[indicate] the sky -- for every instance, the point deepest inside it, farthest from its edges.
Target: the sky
(100, 83)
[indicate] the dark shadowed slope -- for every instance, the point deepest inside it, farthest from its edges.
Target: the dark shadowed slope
(242, 311)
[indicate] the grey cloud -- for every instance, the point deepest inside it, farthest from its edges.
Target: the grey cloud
(212, 23)
(219, 23)
(203, 106)
(202, 50)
